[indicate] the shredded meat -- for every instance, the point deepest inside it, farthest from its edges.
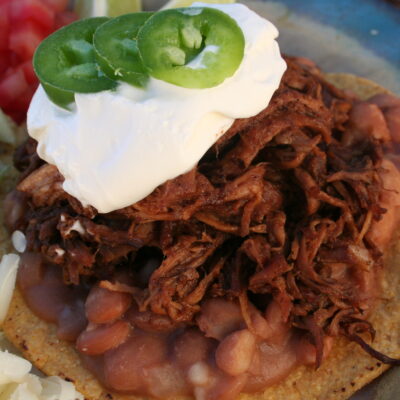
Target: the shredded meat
(279, 210)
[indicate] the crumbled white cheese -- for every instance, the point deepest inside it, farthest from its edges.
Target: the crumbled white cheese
(19, 241)
(8, 275)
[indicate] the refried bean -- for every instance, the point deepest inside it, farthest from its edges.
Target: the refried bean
(139, 359)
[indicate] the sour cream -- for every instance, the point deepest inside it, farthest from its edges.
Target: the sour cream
(116, 147)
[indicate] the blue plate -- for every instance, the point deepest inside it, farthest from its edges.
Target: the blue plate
(359, 37)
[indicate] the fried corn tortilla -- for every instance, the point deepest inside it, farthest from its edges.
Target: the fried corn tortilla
(347, 368)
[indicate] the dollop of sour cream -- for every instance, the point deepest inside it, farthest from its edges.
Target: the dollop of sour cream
(116, 147)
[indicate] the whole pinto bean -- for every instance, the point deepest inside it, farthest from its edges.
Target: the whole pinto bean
(390, 105)
(367, 120)
(220, 317)
(99, 339)
(221, 387)
(393, 120)
(279, 328)
(385, 101)
(235, 352)
(14, 207)
(31, 270)
(306, 352)
(165, 381)
(71, 320)
(105, 306)
(124, 366)
(192, 347)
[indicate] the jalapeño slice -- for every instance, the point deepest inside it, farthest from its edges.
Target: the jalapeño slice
(191, 47)
(65, 62)
(116, 48)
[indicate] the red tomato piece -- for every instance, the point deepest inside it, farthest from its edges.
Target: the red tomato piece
(4, 62)
(18, 108)
(24, 39)
(17, 116)
(64, 18)
(21, 103)
(23, 25)
(29, 73)
(15, 60)
(34, 11)
(4, 27)
(56, 5)
(11, 87)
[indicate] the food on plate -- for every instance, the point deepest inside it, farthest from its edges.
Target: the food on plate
(175, 119)
(246, 246)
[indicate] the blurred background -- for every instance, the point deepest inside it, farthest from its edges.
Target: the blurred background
(353, 36)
